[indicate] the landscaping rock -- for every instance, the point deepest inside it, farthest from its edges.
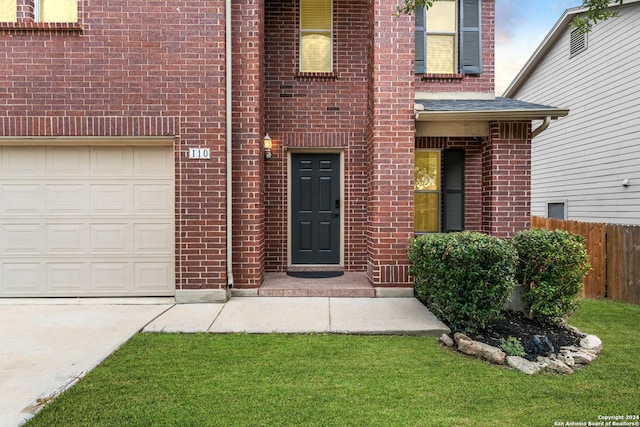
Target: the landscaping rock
(446, 340)
(567, 359)
(484, 351)
(459, 336)
(591, 343)
(523, 365)
(555, 365)
(579, 355)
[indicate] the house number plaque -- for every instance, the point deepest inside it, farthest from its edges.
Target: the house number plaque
(199, 153)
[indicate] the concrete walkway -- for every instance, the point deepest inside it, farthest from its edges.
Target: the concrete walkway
(48, 344)
(401, 316)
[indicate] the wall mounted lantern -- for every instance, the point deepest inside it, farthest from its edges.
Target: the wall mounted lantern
(267, 146)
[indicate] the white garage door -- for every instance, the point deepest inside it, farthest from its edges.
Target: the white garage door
(86, 221)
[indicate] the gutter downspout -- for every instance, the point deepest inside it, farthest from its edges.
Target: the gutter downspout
(229, 135)
(537, 131)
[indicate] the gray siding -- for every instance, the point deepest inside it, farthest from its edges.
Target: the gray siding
(583, 158)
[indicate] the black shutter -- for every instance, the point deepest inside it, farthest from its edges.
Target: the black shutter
(453, 190)
(470, 37)
(421, 41)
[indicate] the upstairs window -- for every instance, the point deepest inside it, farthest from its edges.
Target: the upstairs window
(316, 36)
(56, 10)
(27, 12)
(8, 11)
(440, 34)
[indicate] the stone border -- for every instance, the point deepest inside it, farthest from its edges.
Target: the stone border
(568, 359)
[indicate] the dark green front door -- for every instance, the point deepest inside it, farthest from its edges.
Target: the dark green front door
(315, 208)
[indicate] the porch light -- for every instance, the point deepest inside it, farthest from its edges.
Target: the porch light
(267, 146)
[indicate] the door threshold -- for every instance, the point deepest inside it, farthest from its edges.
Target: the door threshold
(299, 268)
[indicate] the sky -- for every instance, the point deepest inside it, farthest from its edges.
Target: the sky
(520, 27)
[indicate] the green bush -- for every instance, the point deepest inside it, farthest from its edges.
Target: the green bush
(552, 265)
(463, 278)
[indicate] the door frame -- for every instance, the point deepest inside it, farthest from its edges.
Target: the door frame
(343, 207)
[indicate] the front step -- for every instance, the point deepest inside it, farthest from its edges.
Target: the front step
(349, 285)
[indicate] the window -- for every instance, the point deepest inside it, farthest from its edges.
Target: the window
(56, 10)
(438, 38)
(426, 196)
(438, 188)
(316, 36)
(556, 210)
(8, 11)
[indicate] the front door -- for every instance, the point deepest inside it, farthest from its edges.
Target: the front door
(315, 208)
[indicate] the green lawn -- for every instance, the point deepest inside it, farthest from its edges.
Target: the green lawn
(335, 380)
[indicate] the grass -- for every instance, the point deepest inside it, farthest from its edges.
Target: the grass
(335, 380)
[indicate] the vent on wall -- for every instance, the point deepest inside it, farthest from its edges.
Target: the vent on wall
(578, 42)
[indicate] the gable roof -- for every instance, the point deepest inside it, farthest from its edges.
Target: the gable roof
(484, 109)
(549, 41)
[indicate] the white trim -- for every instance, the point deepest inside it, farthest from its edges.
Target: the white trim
(456, 95)
(565, 202)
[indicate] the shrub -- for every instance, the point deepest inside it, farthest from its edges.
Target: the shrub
(512, 346)
(552, 265)
(463, 278)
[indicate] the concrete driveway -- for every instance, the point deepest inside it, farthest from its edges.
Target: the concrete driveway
(47, 345)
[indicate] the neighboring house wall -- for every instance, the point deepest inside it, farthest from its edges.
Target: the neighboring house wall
(582, 159)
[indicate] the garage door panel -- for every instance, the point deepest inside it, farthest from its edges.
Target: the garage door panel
(152, 162)
(20, 198)
(153, 275)
(22, 162)
(21, 238)
(68, 238)
(65, 199)
(111, 277)
(110, 161)
(152, 199)
(67, 161)
(110, 238)
(66, 277)
(155, 238)
(110, 199)
(21, 277)
(87, 221)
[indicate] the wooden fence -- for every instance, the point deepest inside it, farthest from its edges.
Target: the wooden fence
(614, 252)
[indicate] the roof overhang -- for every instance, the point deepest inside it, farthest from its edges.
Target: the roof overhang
(497, 109)
(492, 115)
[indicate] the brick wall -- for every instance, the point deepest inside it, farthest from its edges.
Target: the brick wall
(316, 111)
(468, 83)
(248, 163)
(132, 68)
(390, 145)
(506, 179)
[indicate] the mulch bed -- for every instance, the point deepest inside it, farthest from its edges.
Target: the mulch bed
(515, 324)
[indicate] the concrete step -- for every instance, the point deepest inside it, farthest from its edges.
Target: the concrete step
(349, 285)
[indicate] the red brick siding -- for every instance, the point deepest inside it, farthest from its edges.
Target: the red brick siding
(468, 83)
(390, 145)
(248, 163)
(316, 112)
(135, 68)
(506, 172)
